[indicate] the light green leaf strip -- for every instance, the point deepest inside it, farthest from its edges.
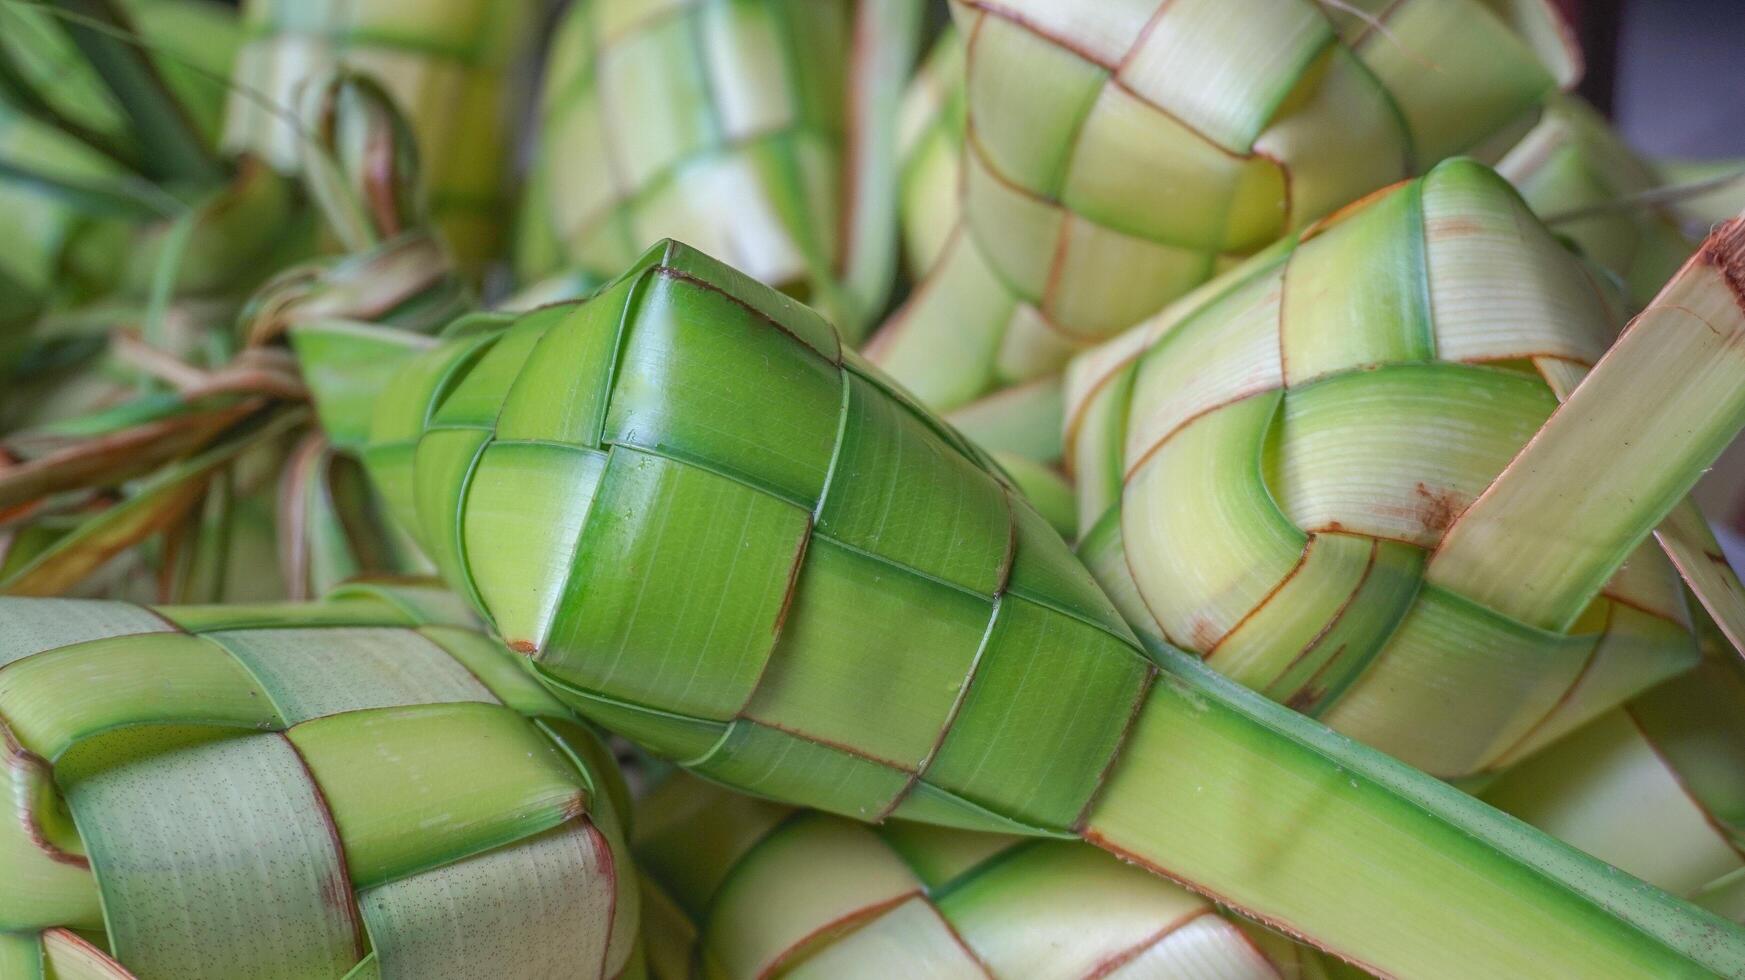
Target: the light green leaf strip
(259, 885)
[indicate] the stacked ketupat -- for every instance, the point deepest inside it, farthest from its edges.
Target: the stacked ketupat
(750, 550)
(452, 66)
(1275, 475)
(716, 531)
(361, 787)
(761, 131)
(739, 887)
(1119, 154)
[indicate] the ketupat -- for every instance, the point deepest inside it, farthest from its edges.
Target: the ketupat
(1267, 472)
(1020, 424)
(1571, 160)
(1119, 154)
(450, 65)
(364, 784)
(739, 887)
(758, 130)
(1571, 166)
(714, 530)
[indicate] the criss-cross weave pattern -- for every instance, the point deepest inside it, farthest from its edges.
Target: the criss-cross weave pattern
(1266, 470)
(1117, 154)
(449, 65)
(856, 601)
(715, 531)
(362, 787)
(745, 888)
(716, 123)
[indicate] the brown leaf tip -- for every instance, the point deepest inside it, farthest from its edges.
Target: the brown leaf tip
(1725, 250)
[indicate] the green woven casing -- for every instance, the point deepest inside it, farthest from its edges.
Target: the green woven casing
(449, 64)
(717, 532)
(539, 464)
(1265, 470)
(658, 114)
(361, 787)
(756, 130)
(1118, 154)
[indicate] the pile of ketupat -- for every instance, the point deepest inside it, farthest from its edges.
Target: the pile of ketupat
(1142, 488)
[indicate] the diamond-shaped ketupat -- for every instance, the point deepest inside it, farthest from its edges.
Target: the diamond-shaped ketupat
(837, 663)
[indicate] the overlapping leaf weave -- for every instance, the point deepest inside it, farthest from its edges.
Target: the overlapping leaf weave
(717, 532)
(745, 888)
(658, 116)
(1117, 154)
(296, 791)
(548, 468)
(759, 131)
(1652, 787)
(1271, 466)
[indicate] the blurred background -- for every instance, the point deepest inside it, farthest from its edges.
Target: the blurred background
(1672, 74)
(1669, 71)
